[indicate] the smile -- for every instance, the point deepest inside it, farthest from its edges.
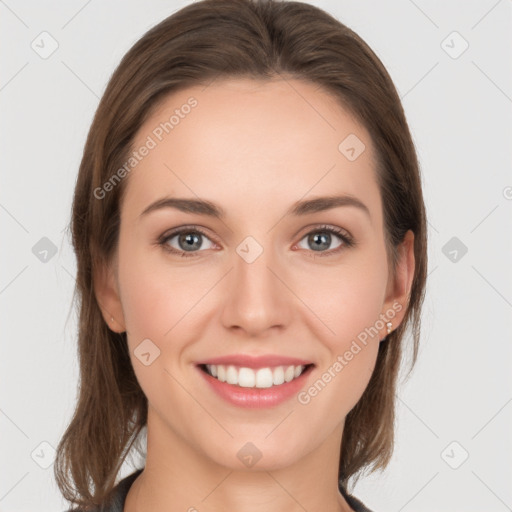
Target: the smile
(254, 378)
(255, 388)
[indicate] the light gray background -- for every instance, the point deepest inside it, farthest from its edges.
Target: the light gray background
(459, 110)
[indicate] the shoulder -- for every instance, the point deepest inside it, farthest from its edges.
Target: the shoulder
(356, 504)
(116, 499)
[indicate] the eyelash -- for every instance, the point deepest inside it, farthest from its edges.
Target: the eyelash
(347, 240)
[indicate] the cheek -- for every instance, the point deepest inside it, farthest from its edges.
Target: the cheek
(146, 303)
(164, 303)
(350, 336)
(155, 294)
(150, 306)
(346, 300)
(155, 304)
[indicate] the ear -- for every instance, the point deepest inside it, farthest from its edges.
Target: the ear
(106, 290)
(399, 287)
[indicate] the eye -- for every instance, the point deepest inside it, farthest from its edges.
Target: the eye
(188, 240)
(321, 238)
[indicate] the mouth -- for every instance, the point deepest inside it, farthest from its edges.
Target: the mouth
(260, 378)
(254, 381)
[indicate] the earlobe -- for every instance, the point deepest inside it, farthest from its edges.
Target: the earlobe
(397, 300)
(106, 290)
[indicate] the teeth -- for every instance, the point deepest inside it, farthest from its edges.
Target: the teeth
(249, 378)
(278, 376)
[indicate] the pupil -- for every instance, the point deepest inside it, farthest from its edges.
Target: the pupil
(189, 242)
(325, 236)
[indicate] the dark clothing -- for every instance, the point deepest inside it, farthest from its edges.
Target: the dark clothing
(120, 491)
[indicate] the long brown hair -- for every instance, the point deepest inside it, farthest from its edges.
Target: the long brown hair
(261, 39)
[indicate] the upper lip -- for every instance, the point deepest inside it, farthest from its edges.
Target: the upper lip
(247, 361)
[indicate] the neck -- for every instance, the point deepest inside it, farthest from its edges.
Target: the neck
(177, 476)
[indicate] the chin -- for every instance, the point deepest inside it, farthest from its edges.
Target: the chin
(255, 453)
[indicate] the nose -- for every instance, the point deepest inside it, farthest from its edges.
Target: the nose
(258, 298)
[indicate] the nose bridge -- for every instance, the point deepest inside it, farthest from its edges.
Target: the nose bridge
(257, 299)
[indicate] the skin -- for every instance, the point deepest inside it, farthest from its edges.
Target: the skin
(254, 148)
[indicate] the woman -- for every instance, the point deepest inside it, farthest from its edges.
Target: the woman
(250, 234)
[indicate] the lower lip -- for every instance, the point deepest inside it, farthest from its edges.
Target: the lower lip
(256, 398)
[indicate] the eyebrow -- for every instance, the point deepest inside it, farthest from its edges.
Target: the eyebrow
(300, 208)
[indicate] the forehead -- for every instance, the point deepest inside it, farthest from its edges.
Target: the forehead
(269, 141)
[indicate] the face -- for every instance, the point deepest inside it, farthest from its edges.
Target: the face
(309, 287)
